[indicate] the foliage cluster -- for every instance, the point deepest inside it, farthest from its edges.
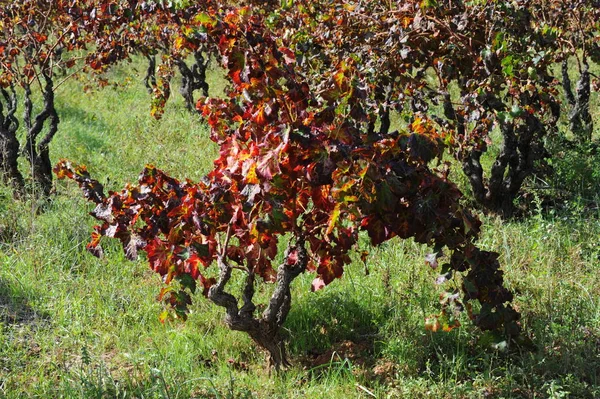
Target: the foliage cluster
(291, 164)
(307, 154)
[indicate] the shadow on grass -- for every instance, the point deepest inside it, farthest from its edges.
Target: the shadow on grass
(333, 326)
(566, 352)
(14, 307)
(329, 318)
(565, 360)
(12, 229)
(93, 127)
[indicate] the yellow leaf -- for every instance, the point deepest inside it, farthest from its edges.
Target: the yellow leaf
(335, 215)
(339, 78)
(251, 177)
(418, 126)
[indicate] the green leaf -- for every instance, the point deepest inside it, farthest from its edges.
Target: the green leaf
(184, 254)
(285, 4)
(187, 281)
(201, 249)
(508, 65)
(505, 117)
(470, 287)
(516, 111)
(205, 19)
(428, 3)
(386, 200)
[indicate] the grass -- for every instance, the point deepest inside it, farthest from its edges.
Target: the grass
(73, 326)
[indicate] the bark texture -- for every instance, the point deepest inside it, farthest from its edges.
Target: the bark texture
(150, 77)
(580, 119)
(9, 145)
(193, 78)
(265, 329)
(37, 144)
(523, 146)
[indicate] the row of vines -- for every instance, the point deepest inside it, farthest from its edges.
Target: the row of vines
(311, 150)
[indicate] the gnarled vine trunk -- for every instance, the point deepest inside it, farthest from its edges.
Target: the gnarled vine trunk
(150, 77)
(37, 147)
(523, 146)
(193, 79)
(265, 330)
(9, 145)
(580, 119)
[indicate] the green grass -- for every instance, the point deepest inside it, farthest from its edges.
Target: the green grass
(73, 326)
